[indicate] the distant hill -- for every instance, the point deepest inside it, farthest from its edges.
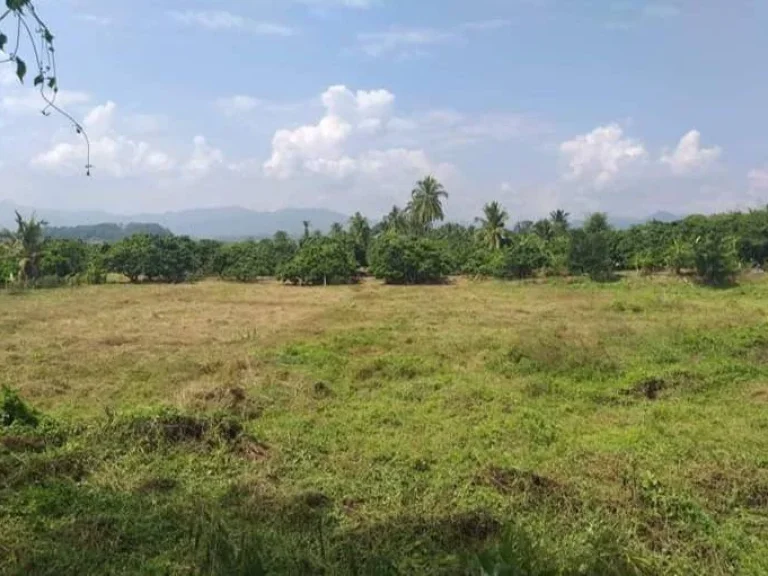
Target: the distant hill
(219, 223)
(105, 232)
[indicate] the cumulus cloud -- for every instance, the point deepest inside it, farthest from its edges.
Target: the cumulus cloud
(599, 157)
(689, 156)
(203, 160)
(111, 153)
(322, 148)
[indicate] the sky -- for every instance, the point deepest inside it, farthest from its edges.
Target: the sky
(624, 106)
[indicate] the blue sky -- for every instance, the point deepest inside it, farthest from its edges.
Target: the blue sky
(627, 106)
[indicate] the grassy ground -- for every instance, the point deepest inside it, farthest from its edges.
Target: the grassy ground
(559, 427)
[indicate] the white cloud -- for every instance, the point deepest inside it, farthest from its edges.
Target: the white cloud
(406, 42)
(239, 104)
(689, 156)
(599, 157)
(204, 158)
(351, 150)
(112, 153)
(30, 102)
(320, 148)
(223, 20)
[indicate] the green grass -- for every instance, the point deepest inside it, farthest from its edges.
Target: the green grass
(558, 427)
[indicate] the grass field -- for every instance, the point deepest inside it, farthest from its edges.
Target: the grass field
(560, 427)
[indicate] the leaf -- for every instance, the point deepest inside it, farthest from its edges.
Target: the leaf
(52, 83)
(48, 36)
(21, 69)
(3, 40)
(39, 79)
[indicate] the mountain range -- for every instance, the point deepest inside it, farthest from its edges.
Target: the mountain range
(228, 223)
(217, 223)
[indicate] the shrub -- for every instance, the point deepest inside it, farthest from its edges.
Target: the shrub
(715, 259)
(680, 256)
(13, 410)
(590, 253)
(246, 261)
(320, 260)
(399, 259)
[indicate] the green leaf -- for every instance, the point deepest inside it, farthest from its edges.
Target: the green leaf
(48, 36)
(39, 79)
(3, 40)
(21, 69)
(52, 83)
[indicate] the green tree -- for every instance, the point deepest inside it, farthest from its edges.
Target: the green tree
(321, 260)
(395, 221)
(400, 259)
(131, 257)
(590, 253)
(545, 230)
(493, 230)
(63, 258)
(559, 219)
(597, 222)
(426, 205)
(680, 256)
(715, 259)
(360, 234)
(25, 246)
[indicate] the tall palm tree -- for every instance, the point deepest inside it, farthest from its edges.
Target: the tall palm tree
(396, 220)
(492, 227)
(306, 224)
(559, 219)
(545, 229)
(426, 204)
(360, 232)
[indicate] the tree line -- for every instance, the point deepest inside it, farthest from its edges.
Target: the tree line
(410, 245)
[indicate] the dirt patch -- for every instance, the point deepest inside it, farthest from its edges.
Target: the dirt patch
(154, 485)
(22, 443)
(515, 481)
(650, 388)
(252, 450)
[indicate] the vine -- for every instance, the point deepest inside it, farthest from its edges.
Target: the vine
(30, 26)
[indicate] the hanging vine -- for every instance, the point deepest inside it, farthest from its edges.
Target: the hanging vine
(30, 29)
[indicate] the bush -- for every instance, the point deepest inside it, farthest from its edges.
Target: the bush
(63, 258)
(321, 260)
(13, 410)
(246, 261)
(590, 253)
(715, 259)
(680, 256)
(399, 259)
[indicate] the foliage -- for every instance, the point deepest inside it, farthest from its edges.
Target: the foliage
(141, 256)
(522, 258)
(24, 247)
(590, 253)
(13, 410)
(680, 256)
(104, 232)
(360, 234)
(246, 261)
(400, 259)
(493, 231)
(320, 261)
(63, 258)
(426, 206)
(715, 259)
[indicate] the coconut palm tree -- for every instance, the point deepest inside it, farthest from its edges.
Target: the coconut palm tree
(492, 227)
(396, 220)
(545, 229)
(360, 232)
(559, 219)
(426, 204)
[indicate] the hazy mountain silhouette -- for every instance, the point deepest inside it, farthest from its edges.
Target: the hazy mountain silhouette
(222, 223)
